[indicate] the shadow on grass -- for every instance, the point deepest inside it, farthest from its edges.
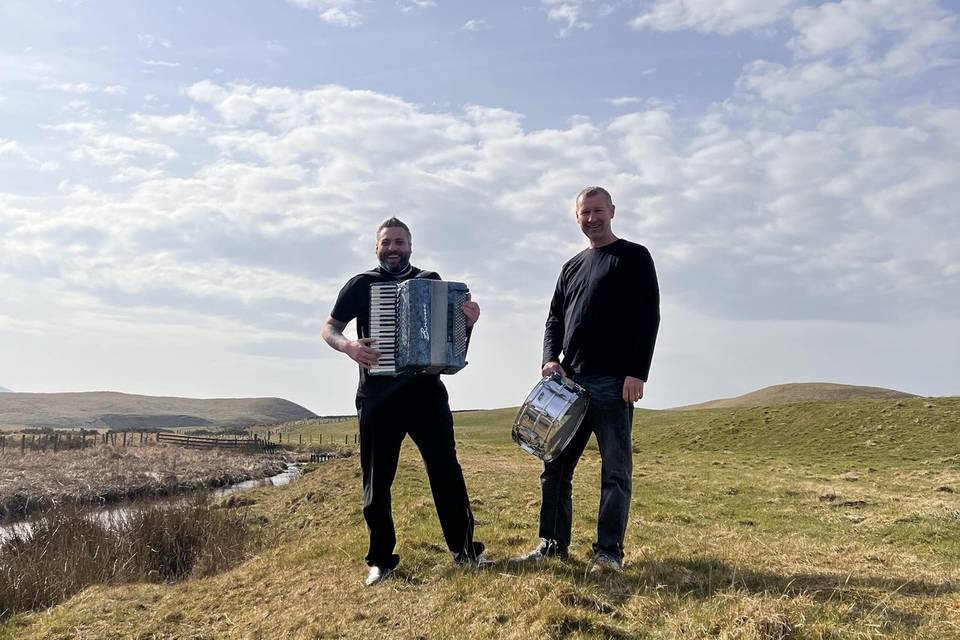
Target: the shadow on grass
(704, 578)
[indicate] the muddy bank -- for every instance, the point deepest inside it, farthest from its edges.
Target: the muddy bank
(36, 481)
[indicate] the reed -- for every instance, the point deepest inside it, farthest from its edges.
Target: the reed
(66, 551)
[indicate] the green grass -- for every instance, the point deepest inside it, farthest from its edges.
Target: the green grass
(833, 520)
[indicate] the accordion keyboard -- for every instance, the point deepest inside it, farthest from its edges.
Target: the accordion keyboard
(383, 325)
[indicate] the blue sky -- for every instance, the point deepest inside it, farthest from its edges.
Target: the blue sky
(184, 188)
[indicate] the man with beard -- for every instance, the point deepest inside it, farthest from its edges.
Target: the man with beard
(604, 318)
(389, 408)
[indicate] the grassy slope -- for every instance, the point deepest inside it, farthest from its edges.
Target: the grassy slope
(802, 392)
(807, 521)
(87, 409)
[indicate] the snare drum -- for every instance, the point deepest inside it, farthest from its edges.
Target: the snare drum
(550, 416)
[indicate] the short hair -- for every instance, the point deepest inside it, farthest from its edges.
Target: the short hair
(394, 222)
(589, 192)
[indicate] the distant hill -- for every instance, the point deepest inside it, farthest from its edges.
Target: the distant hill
(125, 411)
(800, 392)
(5, 390)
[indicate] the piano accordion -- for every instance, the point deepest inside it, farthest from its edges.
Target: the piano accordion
(419, 326)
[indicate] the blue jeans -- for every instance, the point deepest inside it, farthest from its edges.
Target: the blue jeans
(611, 419)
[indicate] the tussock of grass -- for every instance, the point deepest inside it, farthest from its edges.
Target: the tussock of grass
(739, 529)
(66, 551)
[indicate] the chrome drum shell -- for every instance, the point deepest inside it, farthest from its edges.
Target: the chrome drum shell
(550, 417)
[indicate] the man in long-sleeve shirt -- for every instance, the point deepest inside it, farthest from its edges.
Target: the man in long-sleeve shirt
(603, 319)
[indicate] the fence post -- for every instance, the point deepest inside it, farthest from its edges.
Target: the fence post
(124, 438)
(23, 443)
(301, 438)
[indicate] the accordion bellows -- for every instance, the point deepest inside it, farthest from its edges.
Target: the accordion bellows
(419, 325)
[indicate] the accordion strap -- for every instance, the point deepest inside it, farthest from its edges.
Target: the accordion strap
(379, 273)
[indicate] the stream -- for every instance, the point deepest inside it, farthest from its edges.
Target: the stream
(107, 513)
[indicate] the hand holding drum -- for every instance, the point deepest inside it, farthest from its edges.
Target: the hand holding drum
(550, 416)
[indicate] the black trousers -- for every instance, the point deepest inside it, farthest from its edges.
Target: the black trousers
(426, 418)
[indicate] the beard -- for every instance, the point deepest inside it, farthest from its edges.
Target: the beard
(399, 266)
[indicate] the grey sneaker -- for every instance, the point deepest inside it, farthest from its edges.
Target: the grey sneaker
(605, 562)
(476, 557)
(546, 549)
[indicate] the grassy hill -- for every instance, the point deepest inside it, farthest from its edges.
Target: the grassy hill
(126, 411)
(808, 521)
(794, 393)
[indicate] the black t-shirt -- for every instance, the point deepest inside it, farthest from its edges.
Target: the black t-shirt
(605, 312)
(354, 303)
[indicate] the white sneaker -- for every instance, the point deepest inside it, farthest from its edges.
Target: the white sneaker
(376, 575)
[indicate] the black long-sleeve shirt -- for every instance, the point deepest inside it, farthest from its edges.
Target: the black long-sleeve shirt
(605, 312)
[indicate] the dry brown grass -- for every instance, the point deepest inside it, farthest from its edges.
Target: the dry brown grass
(745, 525)
(67, 551)
(101, 474)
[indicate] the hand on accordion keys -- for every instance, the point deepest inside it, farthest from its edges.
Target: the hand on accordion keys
(362, 353)
(471, 310)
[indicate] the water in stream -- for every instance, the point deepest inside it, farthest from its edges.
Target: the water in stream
(106, 514)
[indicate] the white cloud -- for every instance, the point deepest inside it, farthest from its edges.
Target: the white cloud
(148, 41)
(475, 24)
(84, 88)
(176, 124)
(712, 16)
(570, 13)
(808, 215)
(275, 47)
(159, 63)
(71, 87)
(852, 49)
(624, 101)
(94, 141)
(411, 5)
(857, 28)
(10, 148)
(339, 12)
